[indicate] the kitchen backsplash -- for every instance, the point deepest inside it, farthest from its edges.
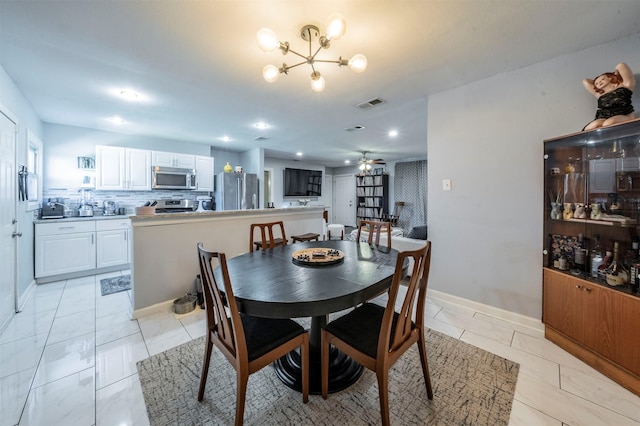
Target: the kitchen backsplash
(128, 200)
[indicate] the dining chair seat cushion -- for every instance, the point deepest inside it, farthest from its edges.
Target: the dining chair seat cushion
(264, 334)
(361, 327)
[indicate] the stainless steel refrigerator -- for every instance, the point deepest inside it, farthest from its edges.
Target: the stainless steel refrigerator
(237, 191)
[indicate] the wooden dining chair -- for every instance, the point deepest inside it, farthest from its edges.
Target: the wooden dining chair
(376, 336)
(267, 239)
(374, 228)
(249, 343)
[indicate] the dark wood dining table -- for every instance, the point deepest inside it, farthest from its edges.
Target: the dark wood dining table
(268, 283)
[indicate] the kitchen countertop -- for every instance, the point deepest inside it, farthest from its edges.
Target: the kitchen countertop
(82, 218)
(221, 213)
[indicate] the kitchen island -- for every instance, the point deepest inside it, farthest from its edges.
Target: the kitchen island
(164, 260)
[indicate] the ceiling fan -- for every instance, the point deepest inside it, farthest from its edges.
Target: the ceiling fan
(365, 162)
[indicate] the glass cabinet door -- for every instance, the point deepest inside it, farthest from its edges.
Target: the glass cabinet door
(592, 201)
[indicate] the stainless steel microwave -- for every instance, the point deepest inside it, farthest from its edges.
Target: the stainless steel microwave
(173, 178)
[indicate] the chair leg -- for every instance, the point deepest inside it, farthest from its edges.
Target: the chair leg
(425, 366)
(324, 363)
(205, 368)
(305, 368)
(383, 391)
(240, 397)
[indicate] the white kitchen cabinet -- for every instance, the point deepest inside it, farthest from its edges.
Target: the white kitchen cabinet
(204, 173)
(138, 169)
(113, 242)
(173, 159)
(122, 169)
(64, 247)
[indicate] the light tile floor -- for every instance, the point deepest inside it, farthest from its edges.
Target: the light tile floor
(69, 358)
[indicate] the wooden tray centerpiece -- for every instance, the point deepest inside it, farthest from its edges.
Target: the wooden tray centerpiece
(317, 256)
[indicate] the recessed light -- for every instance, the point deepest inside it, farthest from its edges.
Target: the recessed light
(347, 161)
(299, 154)
(393, 133)
(224, 138)
(117, 120)
(261, 125)
(129, 95)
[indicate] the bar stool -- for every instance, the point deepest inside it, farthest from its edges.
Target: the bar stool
(272, 241)
(309, 236)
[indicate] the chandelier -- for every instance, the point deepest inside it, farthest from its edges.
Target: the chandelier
(336, 27)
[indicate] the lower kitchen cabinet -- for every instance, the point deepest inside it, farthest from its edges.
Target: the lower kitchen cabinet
(112, 238)
(595, 323)
(75, 248)
(65, 247)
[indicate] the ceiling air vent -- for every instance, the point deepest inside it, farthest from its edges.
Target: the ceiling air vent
(354, 128)
(260, 139)
(370, 103)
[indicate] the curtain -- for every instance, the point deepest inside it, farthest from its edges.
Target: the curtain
(410, 186)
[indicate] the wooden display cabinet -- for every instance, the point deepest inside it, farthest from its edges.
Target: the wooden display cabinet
(596, 322)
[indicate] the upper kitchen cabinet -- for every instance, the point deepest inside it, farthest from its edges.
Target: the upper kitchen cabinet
(204, 173)
(122, 169)
(173, 159)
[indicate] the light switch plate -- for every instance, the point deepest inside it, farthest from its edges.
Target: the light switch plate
(446, 184)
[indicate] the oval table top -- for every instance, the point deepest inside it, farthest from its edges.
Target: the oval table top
(269, 284)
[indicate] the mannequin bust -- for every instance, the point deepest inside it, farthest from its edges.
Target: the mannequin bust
(613, 91)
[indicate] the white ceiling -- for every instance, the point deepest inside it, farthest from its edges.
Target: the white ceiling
(198, 69)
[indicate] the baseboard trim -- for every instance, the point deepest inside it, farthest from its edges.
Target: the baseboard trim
(148, 310)
(503, 314)
(26, 295)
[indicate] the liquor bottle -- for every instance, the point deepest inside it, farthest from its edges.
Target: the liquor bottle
(606, 261)
(616, 274)
(579, 256)
(595, 256)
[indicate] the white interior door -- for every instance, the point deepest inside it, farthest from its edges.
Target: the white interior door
(7, 217)
(344, 191)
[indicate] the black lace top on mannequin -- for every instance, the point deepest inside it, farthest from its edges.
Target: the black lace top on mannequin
(616, 102)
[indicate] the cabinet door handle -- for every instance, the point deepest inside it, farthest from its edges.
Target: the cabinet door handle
(67, 227)
(579, 287)
(92, 239)
(587, 289)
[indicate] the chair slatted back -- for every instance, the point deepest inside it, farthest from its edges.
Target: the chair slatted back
(226, 329)
(374, 227)
(411, 314)
(267, 229)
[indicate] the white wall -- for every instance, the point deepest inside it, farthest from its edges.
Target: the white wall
(487, 138)
(278, 167)
(19, 107)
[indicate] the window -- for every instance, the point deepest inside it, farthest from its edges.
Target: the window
(33, 187)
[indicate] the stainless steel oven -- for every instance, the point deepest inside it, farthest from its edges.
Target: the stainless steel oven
(173, 178)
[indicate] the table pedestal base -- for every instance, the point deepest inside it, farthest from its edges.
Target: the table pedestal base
(343, 371)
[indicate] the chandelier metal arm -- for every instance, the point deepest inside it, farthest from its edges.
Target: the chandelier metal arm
(288, 67)
(339, 61)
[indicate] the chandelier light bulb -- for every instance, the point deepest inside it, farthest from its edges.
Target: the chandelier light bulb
(271, 73)
(358, 63)
(317, 82)
(267, 40)
(336, 26)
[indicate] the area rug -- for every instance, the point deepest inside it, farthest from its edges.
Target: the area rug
(470, 386)
(115, 285)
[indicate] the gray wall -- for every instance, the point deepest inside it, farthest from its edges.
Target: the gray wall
(487, 138)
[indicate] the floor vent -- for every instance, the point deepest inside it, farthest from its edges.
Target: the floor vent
(370, 103)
